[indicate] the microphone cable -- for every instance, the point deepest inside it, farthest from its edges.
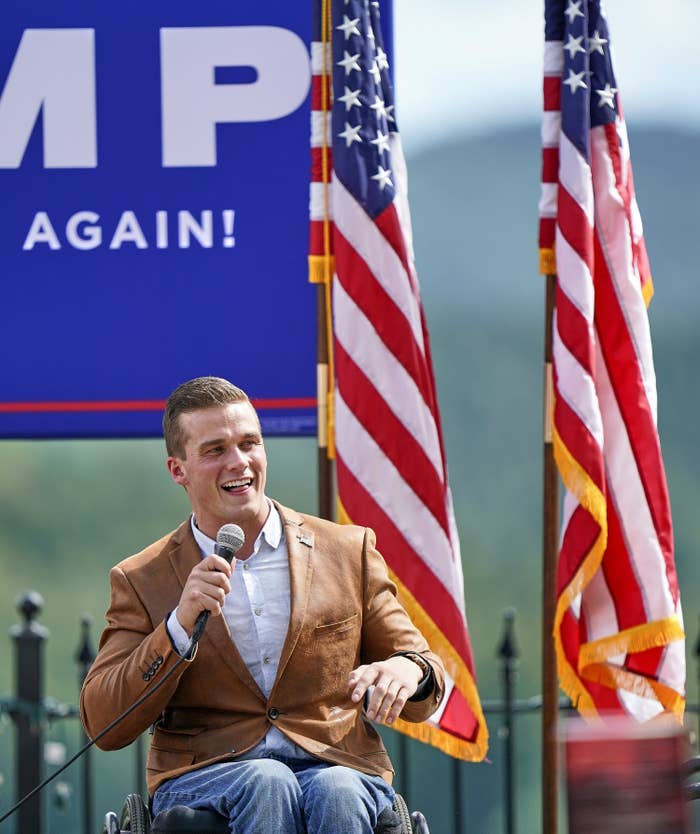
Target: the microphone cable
(229, 541)
(101, 734)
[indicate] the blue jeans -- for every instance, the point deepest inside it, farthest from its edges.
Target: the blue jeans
(281, 796)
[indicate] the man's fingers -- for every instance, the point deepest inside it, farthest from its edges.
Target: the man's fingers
(387, 700)
(214, 564)
(205, 590)
(397, 706)
(390, 683)
(204, 596)
(360, 680)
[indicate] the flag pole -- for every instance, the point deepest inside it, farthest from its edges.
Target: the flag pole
(323, 278)
(326, 490)
(550, 687)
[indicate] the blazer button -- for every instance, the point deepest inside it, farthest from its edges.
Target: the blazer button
(273, 713)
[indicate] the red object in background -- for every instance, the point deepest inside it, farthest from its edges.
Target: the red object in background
(626, 778)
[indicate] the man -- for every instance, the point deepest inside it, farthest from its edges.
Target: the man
(263, 722)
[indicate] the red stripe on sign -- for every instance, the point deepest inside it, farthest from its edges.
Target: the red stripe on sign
(289, 402)
(135, 405)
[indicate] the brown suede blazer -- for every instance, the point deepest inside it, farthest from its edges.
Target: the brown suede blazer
(344, 612)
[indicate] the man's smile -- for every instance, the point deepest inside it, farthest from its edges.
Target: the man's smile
(229, 486)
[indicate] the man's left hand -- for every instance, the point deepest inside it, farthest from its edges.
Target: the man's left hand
(390, 682)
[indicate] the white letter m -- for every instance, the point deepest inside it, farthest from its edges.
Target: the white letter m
(54, 72)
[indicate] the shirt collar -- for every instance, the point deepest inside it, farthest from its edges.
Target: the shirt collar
(271, 531)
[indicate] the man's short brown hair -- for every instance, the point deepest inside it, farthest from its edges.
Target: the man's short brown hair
(202, 392)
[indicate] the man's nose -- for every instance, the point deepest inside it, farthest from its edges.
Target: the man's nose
(236, 458)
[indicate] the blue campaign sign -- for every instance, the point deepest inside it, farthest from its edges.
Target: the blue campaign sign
(154, 182)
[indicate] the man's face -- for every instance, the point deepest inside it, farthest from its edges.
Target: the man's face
(224, 467)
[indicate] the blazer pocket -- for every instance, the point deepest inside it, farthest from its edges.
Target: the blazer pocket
(161, 761)
(335, 629)
(175, 741)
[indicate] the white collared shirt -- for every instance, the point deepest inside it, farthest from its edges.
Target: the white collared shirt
(257, 615)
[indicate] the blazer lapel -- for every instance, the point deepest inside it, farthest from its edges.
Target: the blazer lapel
(300, 547)
(184, 556)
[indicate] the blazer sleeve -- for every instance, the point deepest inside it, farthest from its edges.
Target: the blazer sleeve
(387, 629)
(134, 655)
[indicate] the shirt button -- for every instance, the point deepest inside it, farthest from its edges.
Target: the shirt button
(266, 659)
(258, 612)
(273, 714)
(246, 566)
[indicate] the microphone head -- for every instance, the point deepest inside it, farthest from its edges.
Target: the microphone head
(231, 536)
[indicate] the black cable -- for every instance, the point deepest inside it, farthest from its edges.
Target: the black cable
(100, 735)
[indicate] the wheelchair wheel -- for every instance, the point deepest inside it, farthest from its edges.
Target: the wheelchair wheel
(111, 823)
(401, 810)
(135, 817)
(419, 822)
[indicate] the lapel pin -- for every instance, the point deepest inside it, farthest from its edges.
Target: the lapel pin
(306, 539)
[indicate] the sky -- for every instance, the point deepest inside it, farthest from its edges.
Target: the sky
(476, 65)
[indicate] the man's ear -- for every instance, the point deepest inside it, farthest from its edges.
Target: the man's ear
(177, 471)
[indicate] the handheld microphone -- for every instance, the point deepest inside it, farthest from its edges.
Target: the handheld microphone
(229, 540)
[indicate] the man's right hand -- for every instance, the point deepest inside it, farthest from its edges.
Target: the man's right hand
(205, 590)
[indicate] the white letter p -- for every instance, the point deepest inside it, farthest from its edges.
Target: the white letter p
(193, 103)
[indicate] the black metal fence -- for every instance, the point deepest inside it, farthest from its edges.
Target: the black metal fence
(31, 711)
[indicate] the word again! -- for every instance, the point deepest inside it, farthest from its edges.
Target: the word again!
(84, 231)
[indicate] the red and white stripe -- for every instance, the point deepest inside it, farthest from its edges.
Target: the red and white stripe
(320, 141)
(390, 462)
(389, 454)
(619, 622)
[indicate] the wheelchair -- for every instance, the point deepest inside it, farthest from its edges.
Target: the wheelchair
(136, 819)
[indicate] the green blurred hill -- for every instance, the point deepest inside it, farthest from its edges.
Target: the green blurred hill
(69, 509)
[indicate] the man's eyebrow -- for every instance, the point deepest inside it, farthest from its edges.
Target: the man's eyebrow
(216, 441)
(213, 442)
(252, 435)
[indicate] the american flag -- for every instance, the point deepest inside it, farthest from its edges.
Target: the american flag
(618, 625)
(390, 461)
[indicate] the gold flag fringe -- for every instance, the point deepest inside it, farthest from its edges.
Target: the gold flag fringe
(471, 751)
(320, 269)
(548, 263)
(593, 656)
